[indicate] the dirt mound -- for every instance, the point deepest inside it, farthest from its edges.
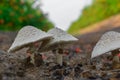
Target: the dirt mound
(110, 23)
(16, 67)
(6, 38)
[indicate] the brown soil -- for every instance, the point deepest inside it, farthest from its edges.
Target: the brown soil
(107, 24)
(15, 66)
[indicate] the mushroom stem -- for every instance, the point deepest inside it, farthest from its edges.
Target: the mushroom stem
(115, 57)
(59, 58)
(32, 59)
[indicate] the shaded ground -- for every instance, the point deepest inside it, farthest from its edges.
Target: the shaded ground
(16, 66)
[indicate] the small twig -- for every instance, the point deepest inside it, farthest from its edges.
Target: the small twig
(116, 70)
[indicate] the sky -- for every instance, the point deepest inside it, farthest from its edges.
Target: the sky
(63, 12)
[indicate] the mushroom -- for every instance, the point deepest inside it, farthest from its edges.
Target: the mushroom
(29, 36)
(60, 39)
(109, 42)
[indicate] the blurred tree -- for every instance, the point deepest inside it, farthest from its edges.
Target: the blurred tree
(98, 11)
(14, 14)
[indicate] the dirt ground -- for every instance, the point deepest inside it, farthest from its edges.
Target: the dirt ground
(76, 66)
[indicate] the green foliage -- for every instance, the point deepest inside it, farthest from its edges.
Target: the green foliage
(14, 14)
(99, 10)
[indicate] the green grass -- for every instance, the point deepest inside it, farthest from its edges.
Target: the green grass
(14, 14)
(98, 11)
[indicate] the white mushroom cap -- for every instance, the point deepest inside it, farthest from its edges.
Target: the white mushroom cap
(108, 42)
(26, 36)
(60, 37)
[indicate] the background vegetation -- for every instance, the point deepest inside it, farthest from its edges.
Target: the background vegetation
(14, 14)
(99, 10)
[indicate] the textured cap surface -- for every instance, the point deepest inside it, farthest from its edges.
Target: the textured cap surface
(108, 42)
(60, 37)
(28, 35)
